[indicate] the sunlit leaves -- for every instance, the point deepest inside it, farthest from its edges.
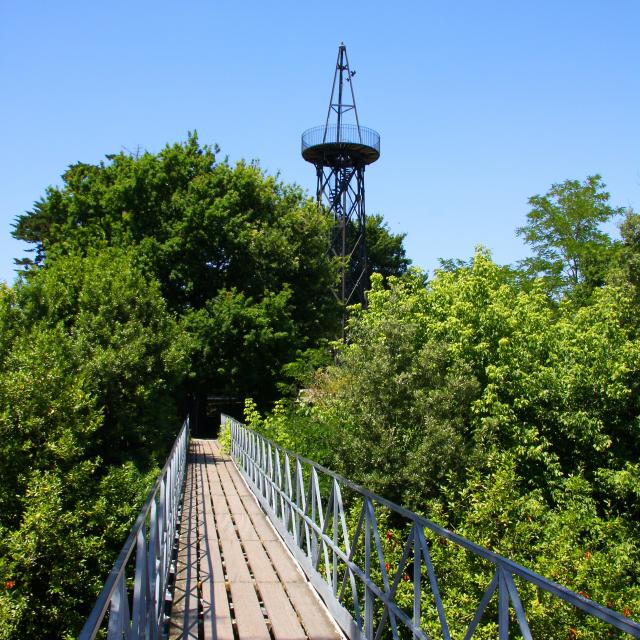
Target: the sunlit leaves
(90, 360)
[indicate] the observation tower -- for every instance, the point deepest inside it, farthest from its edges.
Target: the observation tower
(340, 150)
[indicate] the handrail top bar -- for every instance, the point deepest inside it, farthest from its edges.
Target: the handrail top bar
(343, 127)
(599, 611)
(344, 144)
(96, 616)
(344, 134)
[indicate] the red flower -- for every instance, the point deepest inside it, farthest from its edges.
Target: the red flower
(389, 535)
(405, 577)
(386, 566)
(9, 584)
(626, 612)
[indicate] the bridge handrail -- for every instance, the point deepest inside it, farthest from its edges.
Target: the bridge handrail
(303, 521)
(152, 537)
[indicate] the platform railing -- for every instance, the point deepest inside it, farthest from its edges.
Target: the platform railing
(347, 565)
(151, 542)
(345, 134)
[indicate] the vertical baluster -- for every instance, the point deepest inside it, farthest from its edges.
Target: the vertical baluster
(279, 496)
(271, 493)
(259, 463)
(167, 538)
(254, 455)
(368, 596)
(291, 514)
(503, 606)
(243, 447)
(323, 523)
(256, 459)
(247, 452)
(263, 468)
(335, 489)
(138, 586)
(246, 445)
(119, 622)
(154, 566)
(162, 555)
(350, 548)
(314, 535)
(301, 503)
(417, 580)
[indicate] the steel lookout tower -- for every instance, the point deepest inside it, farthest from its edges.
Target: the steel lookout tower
(340, 150)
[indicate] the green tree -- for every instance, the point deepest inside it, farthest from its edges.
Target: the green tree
(211, 233)
(127, 346)
(479, 400)
(563, 227)
(89, 360)
(625, 270)
(198, 225)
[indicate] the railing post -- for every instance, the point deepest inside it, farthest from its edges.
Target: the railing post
(368, 596)
(139, 590)
(417, 576)
(119, 612)
(153, 561)
(503, 606)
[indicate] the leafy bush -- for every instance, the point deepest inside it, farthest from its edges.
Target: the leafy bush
(88, 365)
(483, 403)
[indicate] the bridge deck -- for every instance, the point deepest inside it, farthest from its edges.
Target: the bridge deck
(235, 579)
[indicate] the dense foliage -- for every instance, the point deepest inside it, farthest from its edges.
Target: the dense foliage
(240, 256)
(88, 358)
(156, 277)
(503, 406)
(499, 401)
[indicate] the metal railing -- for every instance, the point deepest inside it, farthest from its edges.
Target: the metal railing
(345, 133)
(152, 537)
(306, 505)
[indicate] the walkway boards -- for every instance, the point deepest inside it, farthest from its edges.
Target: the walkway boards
(235, 579)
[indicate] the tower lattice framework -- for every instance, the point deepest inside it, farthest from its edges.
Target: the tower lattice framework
(340, 150)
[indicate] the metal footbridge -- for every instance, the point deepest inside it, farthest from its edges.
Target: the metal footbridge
(265, 544)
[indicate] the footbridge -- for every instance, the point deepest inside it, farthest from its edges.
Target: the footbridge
(265, 544)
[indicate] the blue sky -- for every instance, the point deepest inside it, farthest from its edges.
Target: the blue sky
(479, 104)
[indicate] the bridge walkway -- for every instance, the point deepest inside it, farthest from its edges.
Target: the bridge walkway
(235, 580)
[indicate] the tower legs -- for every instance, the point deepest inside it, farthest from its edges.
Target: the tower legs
(341, 190)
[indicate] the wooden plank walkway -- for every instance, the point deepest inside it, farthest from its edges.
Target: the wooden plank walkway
(235, 580)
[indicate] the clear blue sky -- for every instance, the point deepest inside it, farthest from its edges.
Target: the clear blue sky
(479, 104)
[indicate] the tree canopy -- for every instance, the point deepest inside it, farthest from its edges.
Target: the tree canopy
(153, 276)
(230, 246)
(571, 250)
(89, 361)
(501, 401)
(483, 402)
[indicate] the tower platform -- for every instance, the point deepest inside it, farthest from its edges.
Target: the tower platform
(329, 144)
